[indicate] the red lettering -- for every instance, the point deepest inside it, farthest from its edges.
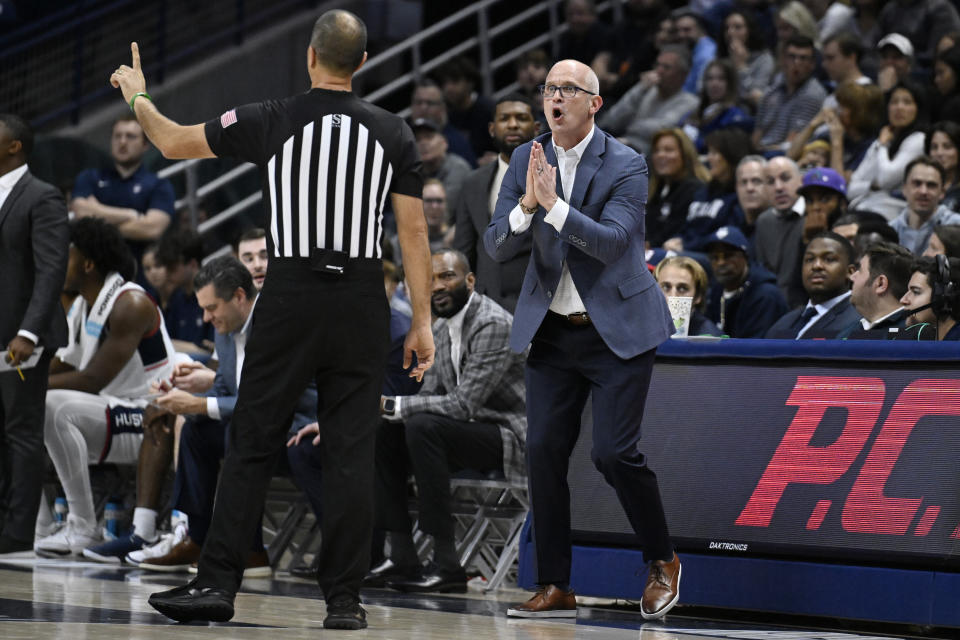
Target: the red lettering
(867, 510)
(819, 513)
(926, 521)
(795, 461)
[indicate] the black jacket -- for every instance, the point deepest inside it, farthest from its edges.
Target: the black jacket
(754, 310)
(34, 238)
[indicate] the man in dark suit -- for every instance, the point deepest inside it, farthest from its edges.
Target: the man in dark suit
(879, 280)
(469, 414)
(595, 317)
(34, 237)
(827, 263)
(513, 125)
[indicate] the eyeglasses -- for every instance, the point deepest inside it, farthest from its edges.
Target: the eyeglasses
(567, 90)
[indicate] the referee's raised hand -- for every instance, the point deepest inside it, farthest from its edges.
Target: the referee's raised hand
(130, 80)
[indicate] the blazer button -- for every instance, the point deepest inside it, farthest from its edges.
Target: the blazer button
(549, 294)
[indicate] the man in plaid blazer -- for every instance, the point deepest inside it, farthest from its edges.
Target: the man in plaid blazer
(469, 414)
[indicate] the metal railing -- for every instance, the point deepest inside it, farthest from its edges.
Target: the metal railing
(483, 44)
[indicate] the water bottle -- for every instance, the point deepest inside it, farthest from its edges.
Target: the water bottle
(60, 510)
(111, 520)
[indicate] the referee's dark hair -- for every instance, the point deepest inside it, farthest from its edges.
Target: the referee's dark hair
(19, 130)
(101, 243)
(340, 40)
(227, 275)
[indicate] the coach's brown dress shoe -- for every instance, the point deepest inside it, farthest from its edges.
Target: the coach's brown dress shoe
(547, 602)
(663, 588)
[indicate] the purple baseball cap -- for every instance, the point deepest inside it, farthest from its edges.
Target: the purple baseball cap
(826, 178)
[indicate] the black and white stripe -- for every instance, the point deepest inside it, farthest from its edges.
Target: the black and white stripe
(328, 187)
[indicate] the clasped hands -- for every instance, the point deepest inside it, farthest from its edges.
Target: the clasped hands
(178, 393)
(541, 180)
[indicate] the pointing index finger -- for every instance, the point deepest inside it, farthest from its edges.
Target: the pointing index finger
(135, 52)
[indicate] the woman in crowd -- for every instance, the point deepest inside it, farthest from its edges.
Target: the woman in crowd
(743, 45)
(946, 79)
(875, 185)
(714, 205)
(677, 174)
(155, 274)
(942, 144)
(850, 130)
(945, 240)
(719, 108)
(683, 276)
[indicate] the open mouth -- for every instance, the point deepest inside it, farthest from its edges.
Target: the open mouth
(557, 113)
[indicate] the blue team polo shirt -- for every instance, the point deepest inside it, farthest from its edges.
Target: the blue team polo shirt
(142, 190)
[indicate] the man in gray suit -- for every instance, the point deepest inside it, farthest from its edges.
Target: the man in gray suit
(33, 260)
(513, 125)
(469, 414)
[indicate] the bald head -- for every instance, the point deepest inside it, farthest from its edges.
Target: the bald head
(583, 74)
(340, 39)
(783, 182)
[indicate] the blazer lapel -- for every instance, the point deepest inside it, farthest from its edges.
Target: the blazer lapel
(443, 363)
(481, 212)
(15, 193)
(589, 165)
(472, 310)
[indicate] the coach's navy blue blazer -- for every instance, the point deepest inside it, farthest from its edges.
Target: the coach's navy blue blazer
(602, 241)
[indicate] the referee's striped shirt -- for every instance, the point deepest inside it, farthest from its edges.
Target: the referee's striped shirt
(328, 161)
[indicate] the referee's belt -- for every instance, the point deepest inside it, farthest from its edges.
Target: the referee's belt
(579, 319)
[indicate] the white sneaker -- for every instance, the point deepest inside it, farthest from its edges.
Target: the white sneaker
(43, 531)
(71, 539)
(161, 548)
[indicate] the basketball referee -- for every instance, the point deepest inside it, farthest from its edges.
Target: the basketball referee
(328, 160)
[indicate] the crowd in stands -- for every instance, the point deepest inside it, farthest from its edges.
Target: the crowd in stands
(735, 104)
(804, 183)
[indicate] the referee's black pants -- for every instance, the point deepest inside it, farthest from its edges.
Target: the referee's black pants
(306, 325)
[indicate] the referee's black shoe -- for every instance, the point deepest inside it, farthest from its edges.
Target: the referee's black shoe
(191, 602)
(345, 613)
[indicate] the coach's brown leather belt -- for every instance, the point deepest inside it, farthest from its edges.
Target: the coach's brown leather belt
(579, 319)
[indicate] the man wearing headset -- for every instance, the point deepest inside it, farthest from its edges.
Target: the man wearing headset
(933, 298)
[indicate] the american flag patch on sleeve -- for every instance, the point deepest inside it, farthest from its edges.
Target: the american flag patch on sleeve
(228, 118)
